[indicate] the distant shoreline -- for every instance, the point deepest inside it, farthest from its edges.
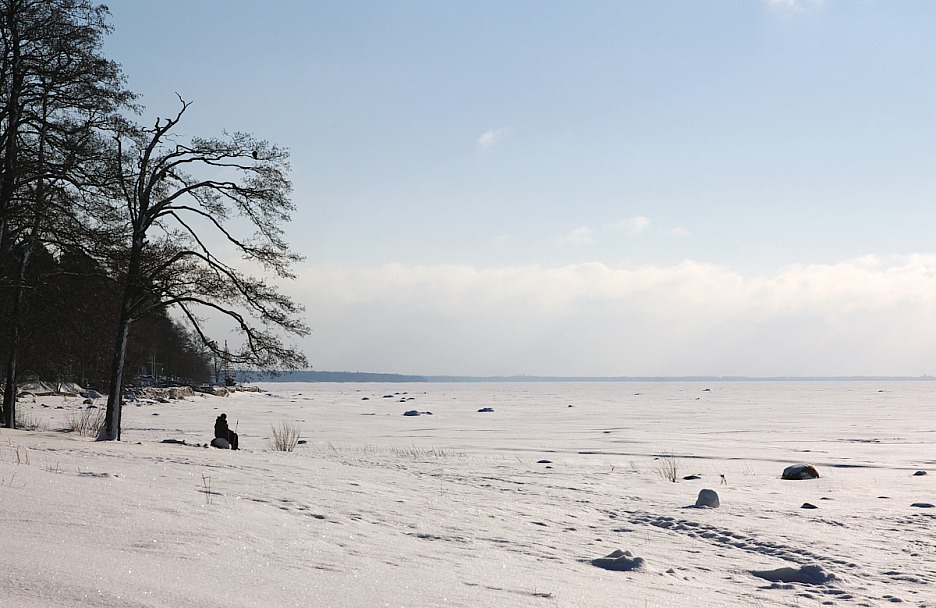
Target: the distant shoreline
(346, 377)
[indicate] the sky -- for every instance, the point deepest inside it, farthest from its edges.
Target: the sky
(504, 187)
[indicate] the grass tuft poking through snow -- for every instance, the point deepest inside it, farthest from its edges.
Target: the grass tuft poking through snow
(285, 436)
(86, 422)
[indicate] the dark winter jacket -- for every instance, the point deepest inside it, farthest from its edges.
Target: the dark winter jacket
(221, 427)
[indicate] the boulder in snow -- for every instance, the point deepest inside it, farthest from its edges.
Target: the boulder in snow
(619, 561)
(800, 471)
(707, 498)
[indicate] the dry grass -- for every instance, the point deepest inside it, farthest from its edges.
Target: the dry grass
(412, 451)
(668, 466)
(28, 422)
(86, 422)
(285, 436)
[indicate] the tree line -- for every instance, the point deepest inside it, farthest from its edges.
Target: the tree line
(118, 240)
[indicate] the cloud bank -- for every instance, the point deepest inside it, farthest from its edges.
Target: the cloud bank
(865, 316)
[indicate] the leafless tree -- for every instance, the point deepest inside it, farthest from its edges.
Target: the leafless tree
(182, 202)
(57, 92)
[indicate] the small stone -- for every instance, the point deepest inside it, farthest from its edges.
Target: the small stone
(808, 505)
(923, 505)
(411, 413)
(919, 473)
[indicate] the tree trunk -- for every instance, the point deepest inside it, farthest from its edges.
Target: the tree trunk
(110, 430)
(9, 387)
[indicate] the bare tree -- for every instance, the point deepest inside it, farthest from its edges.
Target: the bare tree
(182, 200)
(56, 94)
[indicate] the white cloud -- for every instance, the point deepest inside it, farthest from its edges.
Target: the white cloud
(580, 236)
(866, 316)
(795, 4)
(492, 137)
(632, 226)
(681, 232)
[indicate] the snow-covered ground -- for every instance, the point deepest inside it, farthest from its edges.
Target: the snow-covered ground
(509, 507)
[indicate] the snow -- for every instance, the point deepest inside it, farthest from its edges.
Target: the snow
(524, 505)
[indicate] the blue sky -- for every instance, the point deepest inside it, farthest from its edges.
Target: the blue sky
(583, 188)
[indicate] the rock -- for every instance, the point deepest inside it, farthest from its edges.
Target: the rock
(808, 505)
(923, 505)
(220, 443)
(486, 409)
(800, 471)
(919, 473)
(810, 575)
(544, 461)
(619, 561)
(411, 413)
(707, 498)
(691, 477)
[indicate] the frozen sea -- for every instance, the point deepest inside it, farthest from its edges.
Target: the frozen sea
(513, 506)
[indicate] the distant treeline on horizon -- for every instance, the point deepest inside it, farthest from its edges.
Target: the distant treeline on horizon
(324, 376)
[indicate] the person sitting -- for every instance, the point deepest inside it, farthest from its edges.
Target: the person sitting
(223, 432)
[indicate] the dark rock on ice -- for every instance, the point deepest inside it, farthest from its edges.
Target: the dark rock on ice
(544, 461)
(486, 409)
(808, 505)
(691, 477)
(619, 561)
(923, 505)
(919, 473)
(411, 413)
(800, 471)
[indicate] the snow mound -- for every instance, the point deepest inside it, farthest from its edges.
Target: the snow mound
(810, 575)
